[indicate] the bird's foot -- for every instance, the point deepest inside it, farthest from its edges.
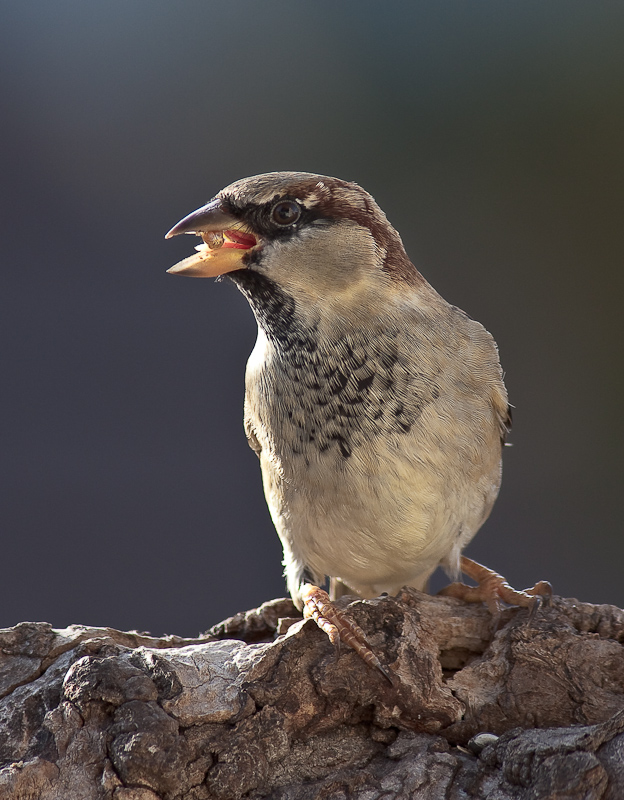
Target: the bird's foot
(338, 626)
(492, 588)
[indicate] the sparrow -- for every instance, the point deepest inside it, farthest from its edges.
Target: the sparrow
(377, 409)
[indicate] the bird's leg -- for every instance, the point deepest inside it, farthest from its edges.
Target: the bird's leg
(338, 589)
(493, 588)
(338, 626)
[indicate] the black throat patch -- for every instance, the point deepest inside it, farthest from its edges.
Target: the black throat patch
(275, 312)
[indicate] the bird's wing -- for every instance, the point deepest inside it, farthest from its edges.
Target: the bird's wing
(252, 439)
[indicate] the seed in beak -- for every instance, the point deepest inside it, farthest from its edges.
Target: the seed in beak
(213, 239)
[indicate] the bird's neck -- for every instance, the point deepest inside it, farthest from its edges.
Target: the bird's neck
(275, 311)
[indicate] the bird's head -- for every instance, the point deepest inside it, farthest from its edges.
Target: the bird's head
(311, 222)
(315, 237)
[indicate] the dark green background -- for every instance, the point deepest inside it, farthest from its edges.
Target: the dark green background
(491, 134)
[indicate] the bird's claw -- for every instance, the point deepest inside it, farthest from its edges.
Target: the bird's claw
(338, 626)
(493, 589)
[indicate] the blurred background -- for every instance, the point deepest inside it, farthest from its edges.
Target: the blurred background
(491, 134)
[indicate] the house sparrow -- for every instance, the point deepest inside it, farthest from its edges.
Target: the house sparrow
(377, 409)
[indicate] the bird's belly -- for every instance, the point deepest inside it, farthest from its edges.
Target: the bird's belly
(347, 542)
(378, 519)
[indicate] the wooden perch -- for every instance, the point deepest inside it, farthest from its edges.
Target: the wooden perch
(534, 710)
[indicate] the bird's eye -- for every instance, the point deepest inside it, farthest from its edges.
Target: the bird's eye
(286, 212)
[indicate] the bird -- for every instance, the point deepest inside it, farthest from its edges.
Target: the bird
(377, 409)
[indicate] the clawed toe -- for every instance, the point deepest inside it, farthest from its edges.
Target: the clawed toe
(493, 589)
(338, 626)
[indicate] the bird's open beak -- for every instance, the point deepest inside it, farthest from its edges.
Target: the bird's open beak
(225, 242)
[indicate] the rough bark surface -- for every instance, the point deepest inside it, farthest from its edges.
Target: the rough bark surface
(534, 710)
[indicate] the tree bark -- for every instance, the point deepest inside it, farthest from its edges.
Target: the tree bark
(261, 707)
